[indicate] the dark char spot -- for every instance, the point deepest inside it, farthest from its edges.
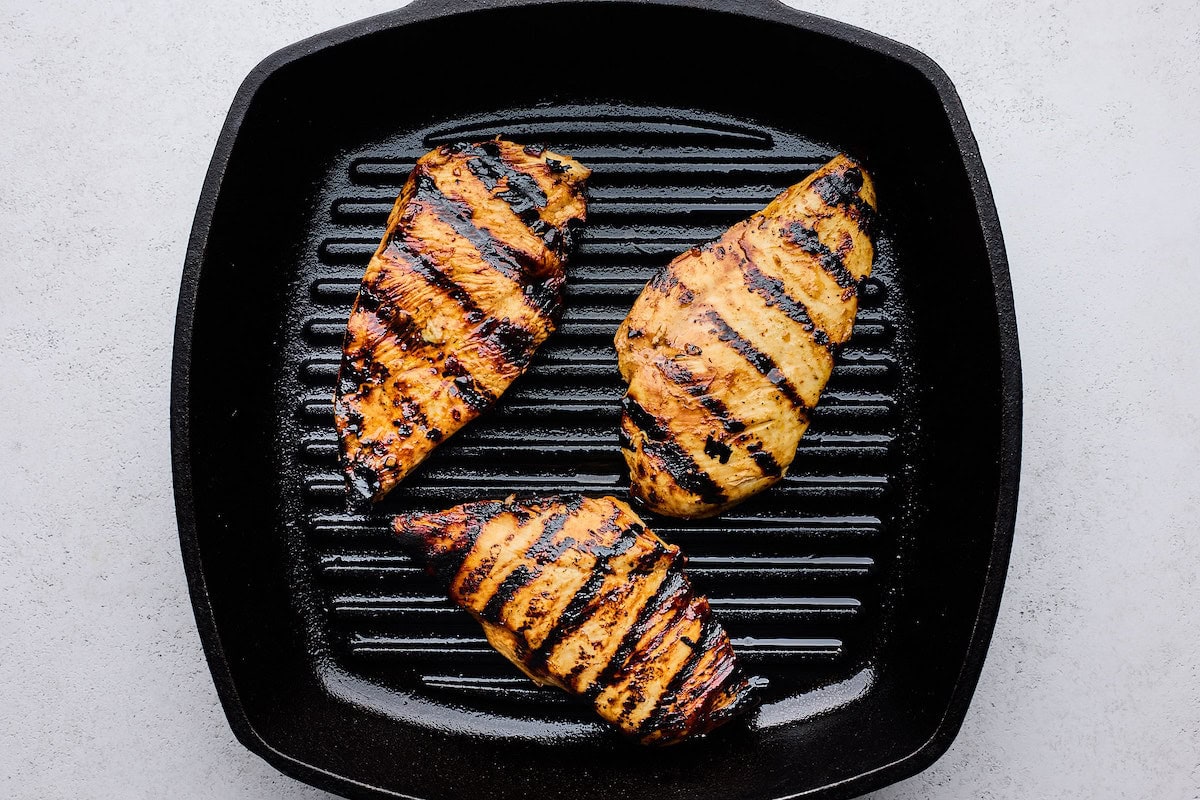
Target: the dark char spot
(717, 450)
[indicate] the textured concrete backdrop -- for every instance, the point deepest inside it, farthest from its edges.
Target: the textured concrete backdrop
(1088, 117)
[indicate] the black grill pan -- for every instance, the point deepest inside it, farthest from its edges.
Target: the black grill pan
(864, 586)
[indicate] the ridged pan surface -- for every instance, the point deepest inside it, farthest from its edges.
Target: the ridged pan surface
(858, 586)
(797, 574)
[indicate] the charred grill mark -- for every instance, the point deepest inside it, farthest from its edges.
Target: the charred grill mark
(574, 615)
(841, 189)
(479, 516)
(755, 357)
(717, 450)
(472, 394)
(542, 552)
(447, 562)
(723, 700)
(710, 636)
(523, 512)
(805, 237)
(460, 216)
(541, 295)
(766, 463)
(465, 385)
(663, 600)
(489, 163)
(646, 422)
(517, 188)
(545, 297)
(353, 417)
(411, 410)
(682, 376)
(682, 467)
(368, 300)
(835, 188)
(470, 581)
(359, 367)
(513, 343)
(664, 282)
(668, 618)
(421, 263)
(513, 583)
(773, 291)
(568, 237)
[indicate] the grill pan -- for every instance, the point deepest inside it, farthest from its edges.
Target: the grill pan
(864, 586)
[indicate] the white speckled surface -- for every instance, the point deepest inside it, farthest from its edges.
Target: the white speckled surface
(1088, 118)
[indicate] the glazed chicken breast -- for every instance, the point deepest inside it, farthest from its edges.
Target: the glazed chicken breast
(580, 595)
(727, 349)
(464, 287)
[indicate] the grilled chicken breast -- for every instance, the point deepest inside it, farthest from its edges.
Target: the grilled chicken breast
(727, 349)
(580, 595)
(465, 285)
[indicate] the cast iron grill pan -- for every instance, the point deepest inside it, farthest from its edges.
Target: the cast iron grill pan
(859, 586)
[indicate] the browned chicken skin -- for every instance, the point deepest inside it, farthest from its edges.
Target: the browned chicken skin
(580, 595)
(464, 287)
(727, 349)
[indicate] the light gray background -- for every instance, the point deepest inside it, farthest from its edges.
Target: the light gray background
(1088, 117)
